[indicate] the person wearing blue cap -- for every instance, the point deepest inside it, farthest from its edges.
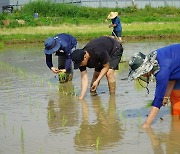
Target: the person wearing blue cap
(103, 54)
(164, 65)
(62, 46)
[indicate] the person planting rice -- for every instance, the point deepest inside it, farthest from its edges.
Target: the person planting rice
(62, 46)
(103, 54)
(164, 64)
(116, 24)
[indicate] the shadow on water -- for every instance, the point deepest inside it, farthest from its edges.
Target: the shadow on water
(106, 125)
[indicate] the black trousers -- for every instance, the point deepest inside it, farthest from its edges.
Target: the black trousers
(61, 63)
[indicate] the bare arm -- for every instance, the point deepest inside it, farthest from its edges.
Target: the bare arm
(169, 89)
(153, 112)
(84, 84)
(101, 74)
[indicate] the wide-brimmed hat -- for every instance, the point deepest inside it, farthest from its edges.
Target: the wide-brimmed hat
(77, 57)
(52, 44)
(141, 64)
(112, 15)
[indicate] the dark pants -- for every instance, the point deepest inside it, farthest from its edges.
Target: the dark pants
(116, 33)
(61, 63)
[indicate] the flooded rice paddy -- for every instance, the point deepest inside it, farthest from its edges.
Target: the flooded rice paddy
(39, 115)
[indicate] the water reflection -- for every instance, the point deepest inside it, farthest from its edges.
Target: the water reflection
(62, 109)
(171, 140)
(106, 127)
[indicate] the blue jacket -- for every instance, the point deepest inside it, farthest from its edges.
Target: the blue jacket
(169, 62)
(118, 26)
(67, 43)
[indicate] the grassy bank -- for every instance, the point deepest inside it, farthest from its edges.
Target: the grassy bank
(85, 32)
(86, 23)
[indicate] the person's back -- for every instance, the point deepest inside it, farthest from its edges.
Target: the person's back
(116, 21)
(103, 43)
(169, 57)
(67, 40)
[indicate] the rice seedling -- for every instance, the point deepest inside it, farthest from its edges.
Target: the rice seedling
(22, 141)
(121, 115)
(78, 133)
(20, 72)
(30, 107)
(97, 143)
(42, 81)
(49, 84)
(22, 95)
(1, 45)
(62, 77)
(22, 134)
(149, 104)
(40, 150)
(139, 119)
(64, 121)
(124, 116)
(37, 105)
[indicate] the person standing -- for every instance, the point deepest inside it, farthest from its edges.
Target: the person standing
(116, 24)
(164, 64)
(103, 54)
(62, 46)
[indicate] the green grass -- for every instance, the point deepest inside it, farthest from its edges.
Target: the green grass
(87, 32)
(85, 23)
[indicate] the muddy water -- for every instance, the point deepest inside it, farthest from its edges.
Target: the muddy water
(39, 115)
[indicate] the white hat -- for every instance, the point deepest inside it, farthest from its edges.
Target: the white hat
(141, 64)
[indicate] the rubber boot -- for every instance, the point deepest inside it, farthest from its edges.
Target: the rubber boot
(112, 87)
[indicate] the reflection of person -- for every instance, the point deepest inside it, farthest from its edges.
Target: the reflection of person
(116, 24)
(171, 140)
(164, 64)
(62, 45)
(62, 109)
(103, 54)
(107, 127)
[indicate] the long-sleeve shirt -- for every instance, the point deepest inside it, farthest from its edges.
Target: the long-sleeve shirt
(68, 42)
(169, 63)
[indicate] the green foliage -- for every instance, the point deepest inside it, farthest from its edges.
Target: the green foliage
(59, 13)
(1, 45)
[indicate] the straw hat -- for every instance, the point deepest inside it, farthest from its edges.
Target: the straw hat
(112, 15)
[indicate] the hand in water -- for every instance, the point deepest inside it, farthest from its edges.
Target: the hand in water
(94, 86)
(146, 125)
